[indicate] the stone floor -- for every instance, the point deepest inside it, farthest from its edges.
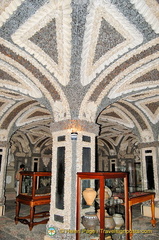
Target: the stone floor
(142, 226)
(9, 230)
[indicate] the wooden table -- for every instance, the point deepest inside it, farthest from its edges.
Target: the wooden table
(135, 198)
(29, 219)
(139, 197)
(33, 194)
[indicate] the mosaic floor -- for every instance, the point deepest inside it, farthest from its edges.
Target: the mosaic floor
(9, 230)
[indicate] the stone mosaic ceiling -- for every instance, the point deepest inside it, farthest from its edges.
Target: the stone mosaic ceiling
(74, 59)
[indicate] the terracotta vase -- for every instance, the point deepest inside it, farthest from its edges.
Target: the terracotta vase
(89, 195)
(109, 222)
(90, 220)
(98, 213)
(119, 221)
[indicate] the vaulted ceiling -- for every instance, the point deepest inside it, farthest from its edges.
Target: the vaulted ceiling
(59, 59)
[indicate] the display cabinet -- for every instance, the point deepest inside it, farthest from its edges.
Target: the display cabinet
(34, 190)
(99, 207)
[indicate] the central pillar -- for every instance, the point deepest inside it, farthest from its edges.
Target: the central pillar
(73, 151)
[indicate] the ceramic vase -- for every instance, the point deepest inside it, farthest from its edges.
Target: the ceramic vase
(109, 222)
(90, 220)
(98, 213)
(119, 221)
(107, 193)
(89, 195)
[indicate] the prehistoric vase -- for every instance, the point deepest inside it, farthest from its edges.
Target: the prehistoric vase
(89, 195)
(107, 193)
(98, 213)
(119, 221)
(109, 222)
(90, 220)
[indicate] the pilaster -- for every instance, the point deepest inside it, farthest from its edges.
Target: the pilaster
(150, 151)
(3, 162)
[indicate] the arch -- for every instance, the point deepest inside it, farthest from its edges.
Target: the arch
(38, 79)
(135, 64)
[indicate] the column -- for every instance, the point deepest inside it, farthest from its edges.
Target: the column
(10, 177)
(3, 163)
(150, 151)
(131, 170)
(73, 151)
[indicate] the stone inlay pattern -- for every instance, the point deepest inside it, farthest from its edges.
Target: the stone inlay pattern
(150, 108)
(99, 10)
(136, 115)
(7, 8)
(149, 10)
(124, 66)
(153, 106)
(148, 78)
(118, 77)
(33, 113)
(108, 38)
(36, 75)
(59, 11)
(74, 63)
(4, 75)
(102, 16)
(46, 40)
(6, 51)
(14, 113)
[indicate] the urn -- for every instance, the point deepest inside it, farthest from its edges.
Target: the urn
(109, 222)
(119, 221)
(90, 220)
(89, 195)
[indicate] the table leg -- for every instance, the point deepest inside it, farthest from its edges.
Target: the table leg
(32, 211)
(130, 222)
(153, 220)
(17, 212)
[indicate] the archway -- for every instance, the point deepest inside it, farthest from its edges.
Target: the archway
(30, 145)
(118, 145)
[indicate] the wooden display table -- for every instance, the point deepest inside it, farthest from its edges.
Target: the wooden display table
(139, 197)
(32, 215)
(34, 197)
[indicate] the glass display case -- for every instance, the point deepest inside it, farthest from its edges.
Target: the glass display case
(35, 184)
(34, 190)
(102, 206)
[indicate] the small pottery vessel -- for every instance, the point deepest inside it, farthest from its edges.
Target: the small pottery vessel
(107, 193)
(89, 195)
(108, 237)
(119, 221)
(90, 220)
(109, 222)
(98, 213)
